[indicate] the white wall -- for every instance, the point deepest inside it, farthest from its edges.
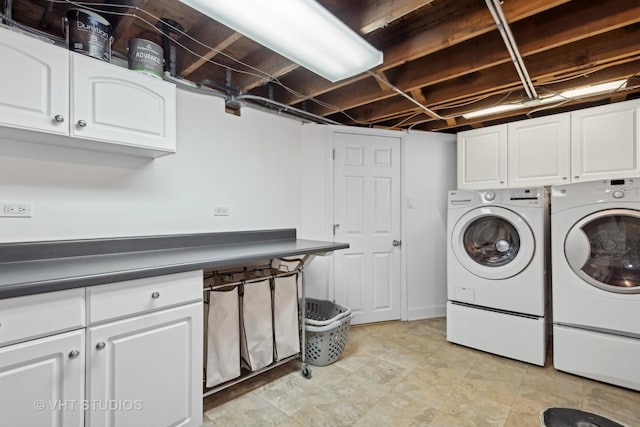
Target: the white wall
(429, 171)
(250, 164)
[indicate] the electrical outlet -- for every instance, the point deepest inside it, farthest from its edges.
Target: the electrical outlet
(15, 209)
(221, 210)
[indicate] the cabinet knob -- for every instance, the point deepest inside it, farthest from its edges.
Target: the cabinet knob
(155, 295)
(501, 182)
(82, 123)
(564, 178)
(576, 177)
(100, 345)
(73, 354)
(59, 118)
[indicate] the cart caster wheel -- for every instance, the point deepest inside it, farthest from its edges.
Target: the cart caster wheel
(306, 371)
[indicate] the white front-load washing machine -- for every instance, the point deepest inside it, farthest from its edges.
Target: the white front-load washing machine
(596, 280)
(497, 276)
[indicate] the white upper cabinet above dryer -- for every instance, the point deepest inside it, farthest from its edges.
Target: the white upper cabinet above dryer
(539, 151)
(604, 142)
(482, 158)
(584, 145)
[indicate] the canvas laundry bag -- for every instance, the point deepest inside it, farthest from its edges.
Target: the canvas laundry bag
(223, 336)
(256, 327)
(285, 316)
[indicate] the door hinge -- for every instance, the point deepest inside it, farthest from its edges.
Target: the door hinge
(333, 155)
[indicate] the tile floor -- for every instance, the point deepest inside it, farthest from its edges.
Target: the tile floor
(407, 374)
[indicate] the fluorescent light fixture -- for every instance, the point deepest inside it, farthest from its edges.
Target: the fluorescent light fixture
(300, 30)
(563, 96)
(595, 89)
(492, 110)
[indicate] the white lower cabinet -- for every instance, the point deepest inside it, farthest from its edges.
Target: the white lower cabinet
(42, 382)
(137, 363)
(146, 370)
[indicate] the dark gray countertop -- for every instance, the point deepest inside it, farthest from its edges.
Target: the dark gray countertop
(36, 267)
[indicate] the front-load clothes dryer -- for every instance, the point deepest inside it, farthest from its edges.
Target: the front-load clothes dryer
(497, 276)
(596, 279)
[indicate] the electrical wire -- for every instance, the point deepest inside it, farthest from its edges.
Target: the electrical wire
(262, 74)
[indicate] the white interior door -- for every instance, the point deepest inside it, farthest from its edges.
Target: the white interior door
(367, 216)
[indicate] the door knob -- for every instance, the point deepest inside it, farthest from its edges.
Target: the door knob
(397, 243)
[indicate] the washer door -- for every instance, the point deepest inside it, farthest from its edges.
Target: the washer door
(493, 242)
(604, 250)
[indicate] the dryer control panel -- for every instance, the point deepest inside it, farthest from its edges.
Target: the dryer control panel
(533, 196)
(593, 192)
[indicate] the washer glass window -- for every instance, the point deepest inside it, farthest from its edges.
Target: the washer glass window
(491, 241)
(614, 242)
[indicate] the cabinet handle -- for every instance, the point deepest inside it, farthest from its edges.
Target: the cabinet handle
(82, 123)
(564, 177)
(59, 118)
(501, 182)
(576, 177)
(73, 354)
(100, 345)
(155, 295)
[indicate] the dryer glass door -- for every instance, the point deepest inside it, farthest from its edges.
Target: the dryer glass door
(604, 250)
(493, 242)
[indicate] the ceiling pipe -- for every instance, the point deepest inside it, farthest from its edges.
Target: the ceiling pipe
(505, 31)
(8, 7)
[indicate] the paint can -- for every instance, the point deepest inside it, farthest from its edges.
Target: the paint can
(146, 56)
(88, 33)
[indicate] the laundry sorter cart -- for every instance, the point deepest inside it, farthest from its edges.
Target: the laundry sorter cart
(253, 322)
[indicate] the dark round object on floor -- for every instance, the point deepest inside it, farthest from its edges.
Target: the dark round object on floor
(567, 417)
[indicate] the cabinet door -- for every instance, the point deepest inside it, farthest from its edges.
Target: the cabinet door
(34, 84)
(120, 106)
(604, 142)
(482, 158)
(148, 368)
(539, 150)
(42, 382)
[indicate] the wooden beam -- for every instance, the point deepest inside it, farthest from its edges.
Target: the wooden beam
(208, 33)
(488, 51)
(377, 14)
(460, 26)
(125, 23)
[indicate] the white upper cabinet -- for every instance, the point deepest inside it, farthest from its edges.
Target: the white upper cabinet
(34, 84)
(116, 105)
(82, 102)
(604, 142)
(584, 145)
(539, 151)
(482, 158)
